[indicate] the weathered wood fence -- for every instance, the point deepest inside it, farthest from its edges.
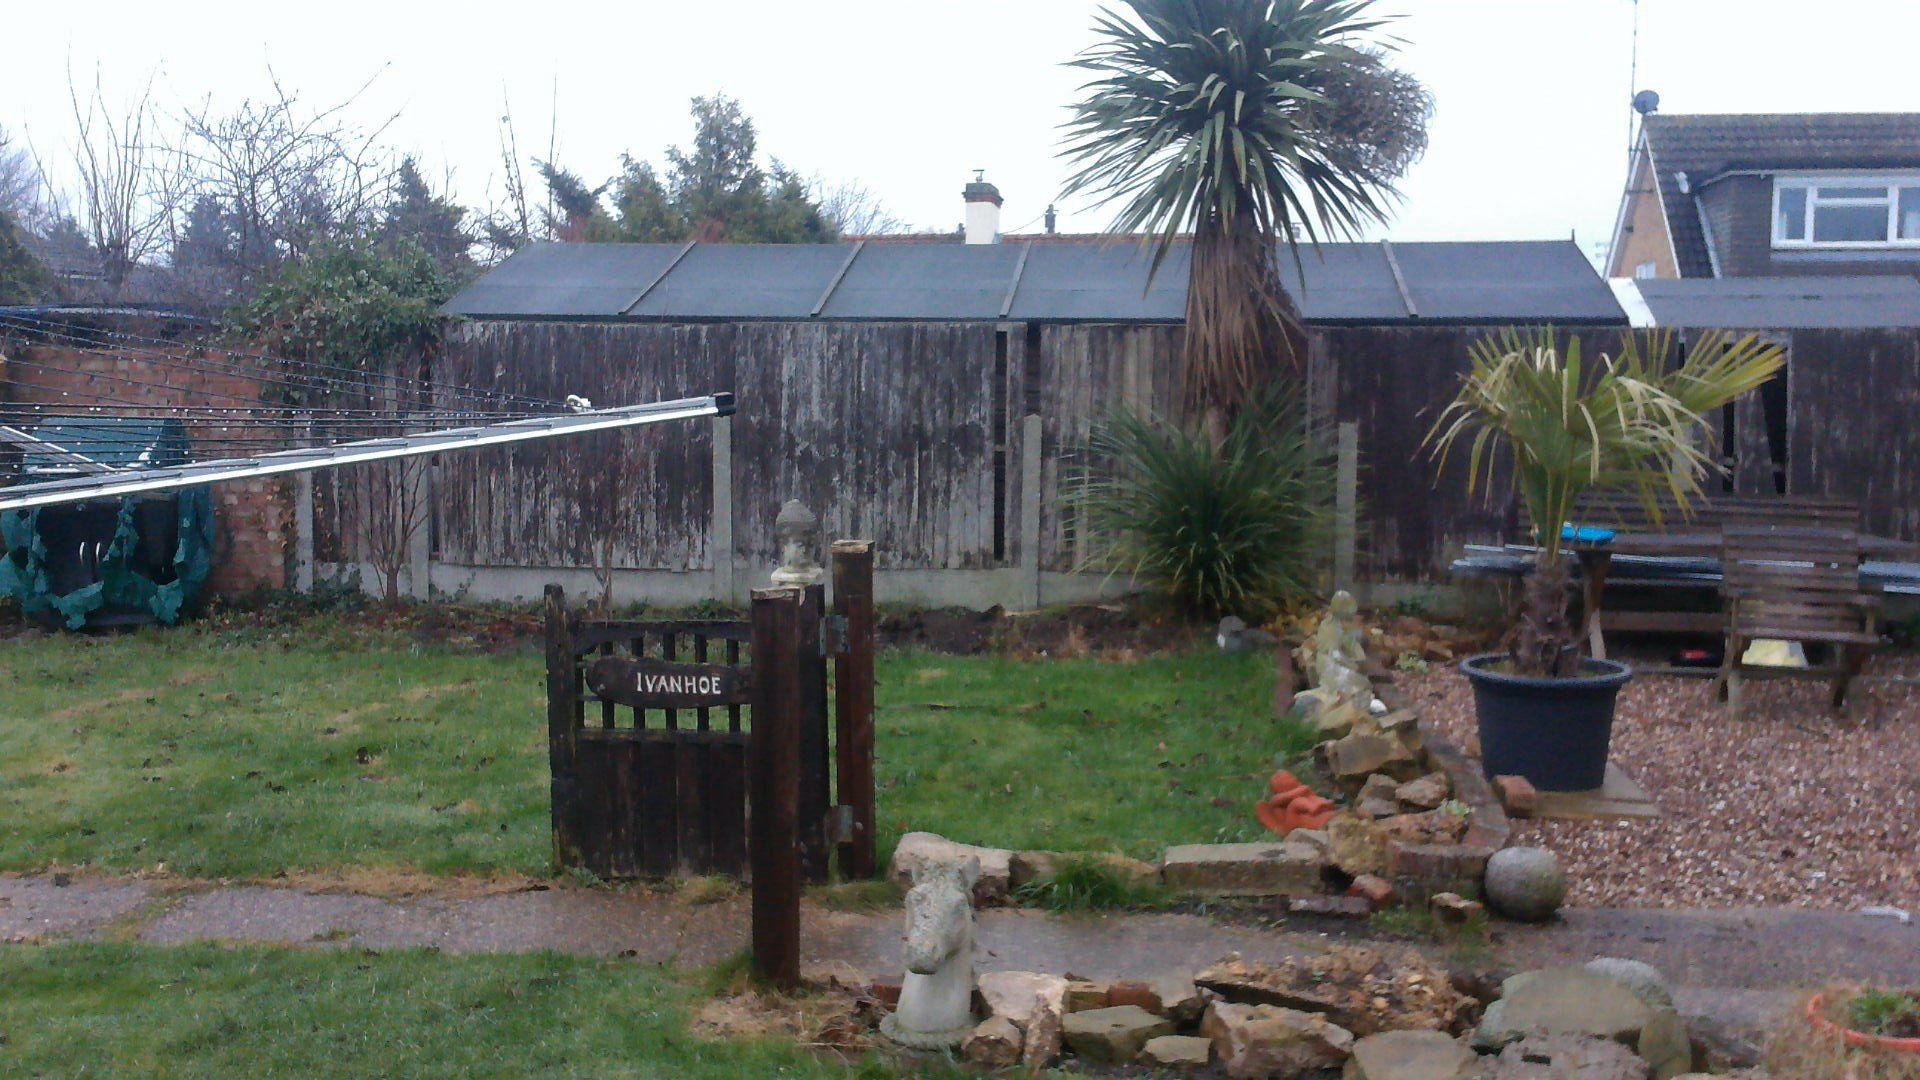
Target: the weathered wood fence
(957, 447)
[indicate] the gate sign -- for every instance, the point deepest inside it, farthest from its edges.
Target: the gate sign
(665, 684)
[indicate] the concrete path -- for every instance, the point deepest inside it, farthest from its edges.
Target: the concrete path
(1736, 970)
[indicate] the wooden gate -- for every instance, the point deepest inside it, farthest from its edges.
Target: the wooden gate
(652, 734)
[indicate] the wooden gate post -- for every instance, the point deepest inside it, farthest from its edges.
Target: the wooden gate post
(853, 701)
(774, 778)
(563, 696)
(815, 760)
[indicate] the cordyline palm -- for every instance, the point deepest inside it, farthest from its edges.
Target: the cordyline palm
(1200, 119)
(1568, 424)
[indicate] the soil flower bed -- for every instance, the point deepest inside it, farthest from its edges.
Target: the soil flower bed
(1791, 804)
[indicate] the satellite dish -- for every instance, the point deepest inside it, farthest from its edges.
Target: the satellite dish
(1646, 103)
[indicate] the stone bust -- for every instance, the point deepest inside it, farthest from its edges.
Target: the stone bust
(795, 531)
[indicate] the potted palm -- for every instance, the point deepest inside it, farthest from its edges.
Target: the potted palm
(1565, 424)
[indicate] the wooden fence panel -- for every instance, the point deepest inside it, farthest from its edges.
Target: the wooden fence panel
(886, 429)
(515, 506)
(1853, 423)
(1087, 372)
(1392, 382)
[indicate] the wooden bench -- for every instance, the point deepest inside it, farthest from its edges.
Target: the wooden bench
(1666, 609)
(1799, 583)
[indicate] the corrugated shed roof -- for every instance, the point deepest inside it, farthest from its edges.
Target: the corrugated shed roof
(1783, 303)
(1070, 282)
(1705, 146)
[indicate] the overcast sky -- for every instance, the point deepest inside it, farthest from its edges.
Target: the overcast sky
(909, 96)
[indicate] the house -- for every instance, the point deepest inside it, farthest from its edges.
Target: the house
(1770, 195)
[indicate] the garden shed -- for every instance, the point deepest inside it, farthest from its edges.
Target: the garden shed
(932, 397)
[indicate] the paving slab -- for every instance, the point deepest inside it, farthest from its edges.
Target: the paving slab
(34, 908)
(1619, 797)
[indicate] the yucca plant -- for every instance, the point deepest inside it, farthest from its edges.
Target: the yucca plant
(1241, 526)
(1566, 422)
(1209, 117)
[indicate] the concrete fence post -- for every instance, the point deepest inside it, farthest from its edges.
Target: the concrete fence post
(720, 532)
(418, 519)
(1030, 511)
(303, 532)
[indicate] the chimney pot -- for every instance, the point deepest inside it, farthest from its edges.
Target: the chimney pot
(983, 210)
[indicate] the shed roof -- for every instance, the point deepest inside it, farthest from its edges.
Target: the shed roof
(1071, 282)
(1783, 303)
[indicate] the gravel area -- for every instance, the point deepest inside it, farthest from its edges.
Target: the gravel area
(1790, 805)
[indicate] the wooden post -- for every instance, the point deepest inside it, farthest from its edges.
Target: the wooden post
(853, 701)
(1031, 434)
(773, 765)
(1346, 503)
(563, 689)
(815, 762)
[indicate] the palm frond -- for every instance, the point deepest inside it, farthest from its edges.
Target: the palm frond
(1199, 118)
(1629, 422)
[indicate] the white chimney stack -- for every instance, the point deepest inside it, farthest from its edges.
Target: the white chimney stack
(983, 210)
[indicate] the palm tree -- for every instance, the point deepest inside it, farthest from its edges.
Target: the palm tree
(1567, 423)
(1204, 119)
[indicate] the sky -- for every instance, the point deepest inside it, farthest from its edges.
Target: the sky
(908, 97)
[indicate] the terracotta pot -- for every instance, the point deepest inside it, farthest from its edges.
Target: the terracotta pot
(1815, 1016)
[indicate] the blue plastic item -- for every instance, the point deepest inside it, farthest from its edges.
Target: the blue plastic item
(1586, 534)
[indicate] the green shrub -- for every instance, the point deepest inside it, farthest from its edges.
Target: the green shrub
(1240, 527)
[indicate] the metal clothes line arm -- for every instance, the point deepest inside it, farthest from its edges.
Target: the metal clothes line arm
(308, 459)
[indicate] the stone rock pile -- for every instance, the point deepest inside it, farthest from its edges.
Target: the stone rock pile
(1418, 820)
(1371, 1014)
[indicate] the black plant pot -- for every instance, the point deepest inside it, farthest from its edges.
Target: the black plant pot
(1554, 732)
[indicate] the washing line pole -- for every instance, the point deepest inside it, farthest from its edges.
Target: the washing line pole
(124, 482)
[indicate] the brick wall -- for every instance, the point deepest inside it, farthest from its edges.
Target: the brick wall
(253, 518)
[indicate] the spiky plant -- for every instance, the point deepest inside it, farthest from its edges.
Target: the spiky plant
(1566, 424)
(1240, 526)
(1201, 119)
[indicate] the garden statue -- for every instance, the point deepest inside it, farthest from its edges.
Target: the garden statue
(1340, 651)
(936, 998)
(794, 531)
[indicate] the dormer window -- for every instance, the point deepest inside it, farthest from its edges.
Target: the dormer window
(1846, 210)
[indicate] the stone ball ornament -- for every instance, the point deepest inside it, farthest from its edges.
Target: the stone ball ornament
(1525, 883)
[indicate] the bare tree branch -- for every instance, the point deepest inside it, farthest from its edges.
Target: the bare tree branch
(854, 209)
(127, 194)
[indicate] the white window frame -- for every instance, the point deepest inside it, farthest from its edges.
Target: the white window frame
(1891, 182)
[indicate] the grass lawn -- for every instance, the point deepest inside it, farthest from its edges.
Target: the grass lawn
(325, 747)
(133, 1010)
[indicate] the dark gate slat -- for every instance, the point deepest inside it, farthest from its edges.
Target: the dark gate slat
(733, 711)
(657, 807)
(667, 653)
(727, 808)
(625, 838)
(608, 711)
(702, 717)
(693, 853)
